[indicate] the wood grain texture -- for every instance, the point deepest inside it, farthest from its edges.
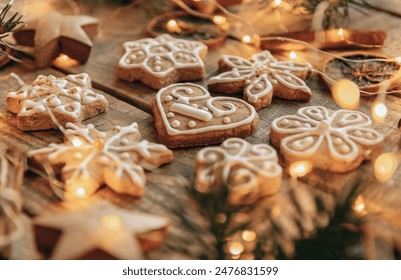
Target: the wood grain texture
(170, 188)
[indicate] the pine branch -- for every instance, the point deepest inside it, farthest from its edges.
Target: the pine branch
(8, 25)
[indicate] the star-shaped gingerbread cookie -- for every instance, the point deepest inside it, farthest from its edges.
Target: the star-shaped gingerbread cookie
(162, 61)
(70, 99)
(100, 231)
(90, 158)
(55, 33)
(261, 78)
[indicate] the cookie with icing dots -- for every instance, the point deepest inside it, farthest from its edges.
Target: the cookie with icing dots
(261, 78)
(162, 61)
(337, 141)
(91, 158)
(70, 99)
(186, 115)
(248, 171)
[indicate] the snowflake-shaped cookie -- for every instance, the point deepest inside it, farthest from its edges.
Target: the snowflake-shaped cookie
(332, 140)
(262, 77)
(91, 158)
(70, 99)
(162, 61)
(249, 171)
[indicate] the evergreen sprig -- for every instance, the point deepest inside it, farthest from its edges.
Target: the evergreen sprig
(7, 26)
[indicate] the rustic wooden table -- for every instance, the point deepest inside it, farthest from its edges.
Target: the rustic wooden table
(299, 210)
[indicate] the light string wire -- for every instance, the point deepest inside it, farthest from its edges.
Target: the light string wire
(10, 196)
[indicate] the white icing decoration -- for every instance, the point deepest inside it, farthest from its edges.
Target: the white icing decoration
(191, 124)
(181, 53)
(262, 67)
(343, 131)
(226, 120)
(120, 164)
(168, 98)
(175, 123)
(170, 115)
(201, 94)
(248, 170)
(61, 95)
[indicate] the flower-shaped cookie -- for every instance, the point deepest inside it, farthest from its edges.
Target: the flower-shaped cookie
(70, 99)
(249, 171)
(262, 77)
(162, 61)
(90, 158)
(331, 140)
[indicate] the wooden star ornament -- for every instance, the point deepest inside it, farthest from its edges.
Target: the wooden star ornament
(100, 231)
(55, 33)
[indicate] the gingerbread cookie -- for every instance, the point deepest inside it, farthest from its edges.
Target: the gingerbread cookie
(249, 171)
(162, 61)
(186, 115)
(55, 33)
(91, 158)
(337, 141)
(100, 231)
(261, 78)
(70, 99)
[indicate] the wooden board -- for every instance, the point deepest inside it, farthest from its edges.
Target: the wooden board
(170, 189)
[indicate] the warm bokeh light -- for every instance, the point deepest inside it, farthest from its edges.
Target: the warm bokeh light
(341, 32)
(65, 61)
(246, 39)
(80, 192)
(300, 168)
(346, 94)
(293, 55)
(172, 26)
(359, 206)
(111, 222)
(385, 166)
(398, 59)
(277, 3)
(236, 248)
(379, 112)
(248, 235)
(219, 20)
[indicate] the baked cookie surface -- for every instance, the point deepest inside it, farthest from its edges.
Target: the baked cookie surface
(337, 141)
(186, 115)
(162, 61)
(70, 99)
(261, 78)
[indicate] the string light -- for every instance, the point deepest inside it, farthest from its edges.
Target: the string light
(219, 20)
(385, 166)
(172, 26)
(77, 142)
(112, 222)
(236, 248)
(300, 169)
(379, 112)
(80, 192)
(341, 32)
(293, 55)
(246, 39)
(277, 3)
(359, 206)
(248, 235)
(346, 94)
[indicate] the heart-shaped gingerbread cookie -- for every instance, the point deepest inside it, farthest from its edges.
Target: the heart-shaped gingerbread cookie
(186, 115)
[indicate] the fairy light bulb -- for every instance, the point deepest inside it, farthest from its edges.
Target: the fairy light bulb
(246, 39)
(379, 112)
(112, 222)
(248, 235)
(277, 3)
(172, 26)
(346, 94)
(398, 59)
(359, 206)
(341, 32)
(236, 248)
(80, 192)
(293, 55)
(219, 20)
(385, 166)
(300, 169)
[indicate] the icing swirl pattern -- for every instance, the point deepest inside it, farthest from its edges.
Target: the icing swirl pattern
(92, 158)
(162, 55)
(249, 171)
(344, 134)
(260, 75)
